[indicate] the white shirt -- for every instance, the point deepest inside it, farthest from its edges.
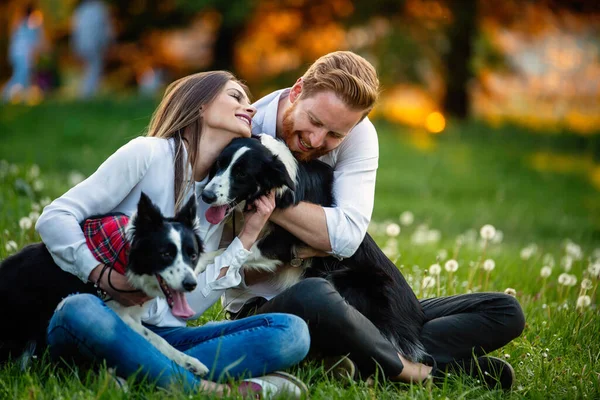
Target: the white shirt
(355, 163)
(144, 164)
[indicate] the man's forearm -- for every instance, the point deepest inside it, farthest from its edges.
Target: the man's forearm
(307, 222)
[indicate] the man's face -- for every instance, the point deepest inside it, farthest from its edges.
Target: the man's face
(316, 125)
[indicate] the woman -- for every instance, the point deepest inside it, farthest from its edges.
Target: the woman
(198, 116)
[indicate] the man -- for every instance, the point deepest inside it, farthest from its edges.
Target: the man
(324, 115)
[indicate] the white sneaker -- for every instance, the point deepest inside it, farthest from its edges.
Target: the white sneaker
(276, 385)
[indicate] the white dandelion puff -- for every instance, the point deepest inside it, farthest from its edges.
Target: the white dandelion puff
(442, 254)
(583, 301)
(433, 236)
(25, 223)
(594, 269)
(574, 250)
(489, 265)
(498, 237)
(546, 271)
(487, 232)
(11, 246)
(567, 263)
(572, 280)
(511, 292)
(392, 230)
(435, 269)
(528, 251)
(451, 265)
(407, 218)
(34, 215)
(586, 284)
(563, 279)
(548, 260)
(34, 171)
(75, 177)
(45, 201)
(38, 185)
(428, 282)
(36, 207)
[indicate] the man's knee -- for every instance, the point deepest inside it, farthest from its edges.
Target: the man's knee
(514, 316)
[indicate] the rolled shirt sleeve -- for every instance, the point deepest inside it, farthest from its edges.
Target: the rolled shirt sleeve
(59, 224)
(355, 164)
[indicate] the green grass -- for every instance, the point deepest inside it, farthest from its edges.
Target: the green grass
(453, 183)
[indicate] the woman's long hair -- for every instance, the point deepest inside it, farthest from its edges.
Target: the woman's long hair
(180, 110)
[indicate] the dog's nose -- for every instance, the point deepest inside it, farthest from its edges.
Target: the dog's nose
(209, 196)
(189, 283)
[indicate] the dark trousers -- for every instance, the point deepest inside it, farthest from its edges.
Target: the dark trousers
(456, 327)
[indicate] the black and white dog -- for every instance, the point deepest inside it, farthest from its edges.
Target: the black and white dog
(163, 255)
(369, 281)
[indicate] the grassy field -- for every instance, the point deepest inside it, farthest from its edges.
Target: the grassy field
(536, 190)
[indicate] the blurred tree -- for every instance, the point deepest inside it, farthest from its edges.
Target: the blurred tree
(234, 14)
(457, 57)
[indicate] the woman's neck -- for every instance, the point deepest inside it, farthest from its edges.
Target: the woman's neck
(211, 145)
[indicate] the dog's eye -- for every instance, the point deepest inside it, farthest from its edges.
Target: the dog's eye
(166, 254)
(241, 174)
(193, 257)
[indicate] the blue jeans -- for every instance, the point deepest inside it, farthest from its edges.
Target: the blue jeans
(85, 330)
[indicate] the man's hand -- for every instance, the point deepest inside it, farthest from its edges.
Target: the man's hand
(119, 282)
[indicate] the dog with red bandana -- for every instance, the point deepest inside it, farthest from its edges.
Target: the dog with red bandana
(158, 255)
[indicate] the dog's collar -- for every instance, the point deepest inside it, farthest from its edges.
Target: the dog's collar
(105, 237)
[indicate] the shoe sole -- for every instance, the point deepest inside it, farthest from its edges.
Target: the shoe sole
(505, 366)
(295, 380)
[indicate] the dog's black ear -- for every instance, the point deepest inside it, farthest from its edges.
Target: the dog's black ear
(281, 173)
(148, 215)
(187, 214)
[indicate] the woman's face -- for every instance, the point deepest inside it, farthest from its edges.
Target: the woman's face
(230, 112)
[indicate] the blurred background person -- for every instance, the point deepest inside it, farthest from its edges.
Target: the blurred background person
(92, 36)
(26, 40)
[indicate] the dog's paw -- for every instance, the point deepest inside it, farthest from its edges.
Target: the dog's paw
(195, 366)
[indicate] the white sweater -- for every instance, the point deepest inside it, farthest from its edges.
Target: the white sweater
(144, 164)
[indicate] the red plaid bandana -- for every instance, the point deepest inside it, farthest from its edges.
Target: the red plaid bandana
(105, 237)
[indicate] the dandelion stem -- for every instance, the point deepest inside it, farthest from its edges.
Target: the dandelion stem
(487, 278)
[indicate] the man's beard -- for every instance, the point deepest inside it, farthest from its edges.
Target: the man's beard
(291, 138)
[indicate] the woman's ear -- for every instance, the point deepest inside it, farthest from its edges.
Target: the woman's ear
(296, 90)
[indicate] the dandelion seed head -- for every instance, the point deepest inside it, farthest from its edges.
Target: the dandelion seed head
(528, 251)
(574, 250)
(25, 223)
(487, 232)
(563, 278)
(548, 260)
(594, 269)
(489, 265)
(572, 280)
(583, 301)
(75, 177)
(586, 284)
(34, 171)
(567, 263)
(435, 269)
(392, 230)
(407, 218)
(428, 282)
(511, 292)
(451, 265)
(546, 271)
(45, 201)
(11, 246)
(498, 237)
(433, 236)
(38, 185)
(442, 254)
(34, 215)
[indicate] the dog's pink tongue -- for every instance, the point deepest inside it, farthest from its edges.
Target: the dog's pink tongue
(181, 308)
(214, 215)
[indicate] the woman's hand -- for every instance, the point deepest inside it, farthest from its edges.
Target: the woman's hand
(255, 219)
(119, 282)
